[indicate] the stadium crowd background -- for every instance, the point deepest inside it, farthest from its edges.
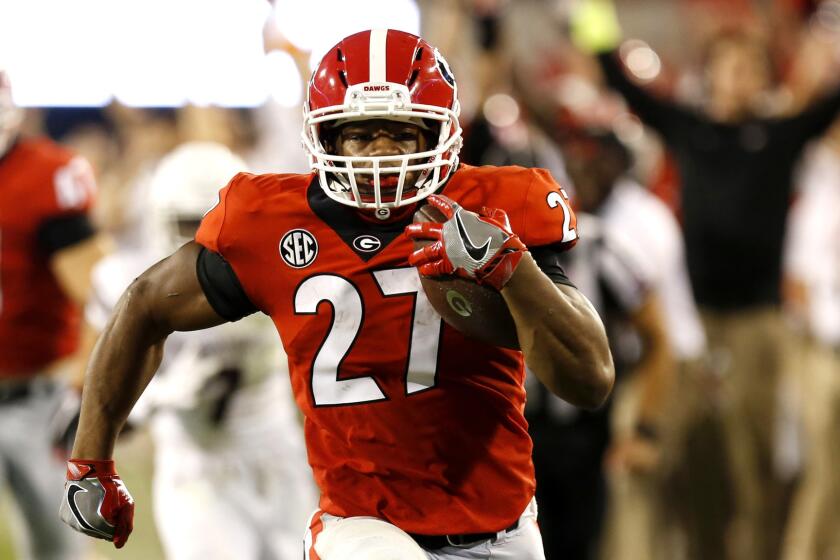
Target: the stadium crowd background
(657, 477)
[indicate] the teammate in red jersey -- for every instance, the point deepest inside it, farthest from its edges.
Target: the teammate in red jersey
(47, 248)
(415, 433)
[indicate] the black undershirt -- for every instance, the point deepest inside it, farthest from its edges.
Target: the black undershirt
(548, 258)
(736, 189)
(221, 286)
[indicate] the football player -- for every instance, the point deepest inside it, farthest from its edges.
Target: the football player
(219, 404)
(47, 250)
(415, 433)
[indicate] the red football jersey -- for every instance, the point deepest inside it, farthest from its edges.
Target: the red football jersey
(39, 180)
(406, 419)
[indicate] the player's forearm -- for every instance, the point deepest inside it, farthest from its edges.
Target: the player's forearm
(561, 335)
(123, 361)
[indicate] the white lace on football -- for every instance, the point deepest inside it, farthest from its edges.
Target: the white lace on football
(391, 101)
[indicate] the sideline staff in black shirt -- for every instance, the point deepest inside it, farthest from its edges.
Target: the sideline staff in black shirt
(737, 175)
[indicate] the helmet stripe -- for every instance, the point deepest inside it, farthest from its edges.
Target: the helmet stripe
(378, 56)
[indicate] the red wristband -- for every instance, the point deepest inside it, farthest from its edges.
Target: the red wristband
(78, 469)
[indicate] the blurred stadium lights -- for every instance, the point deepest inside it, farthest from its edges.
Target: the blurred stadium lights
(55, 51)
(501, 110)
(576, 93)
(641, 60)
(827, 17)
(317, 25)
(628, 128)
(191, 51)
(171, 52)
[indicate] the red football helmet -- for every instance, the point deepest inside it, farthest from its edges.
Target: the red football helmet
(383, 74)
(10, 115)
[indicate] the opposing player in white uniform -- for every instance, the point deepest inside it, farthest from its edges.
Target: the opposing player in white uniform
(231, 479)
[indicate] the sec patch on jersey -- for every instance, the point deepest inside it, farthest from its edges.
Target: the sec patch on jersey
(474, 310)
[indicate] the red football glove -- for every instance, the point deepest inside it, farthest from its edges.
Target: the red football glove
(96, 502)
(480, 247)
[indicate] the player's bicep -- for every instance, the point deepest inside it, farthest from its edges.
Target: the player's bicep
(169, 295)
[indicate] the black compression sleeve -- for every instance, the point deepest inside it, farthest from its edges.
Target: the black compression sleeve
(58, 233)
(222, 287)
(548, 259)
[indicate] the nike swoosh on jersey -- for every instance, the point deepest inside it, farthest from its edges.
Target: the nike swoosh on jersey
(476, 253)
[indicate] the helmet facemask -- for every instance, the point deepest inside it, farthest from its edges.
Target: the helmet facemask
(382, 74)
(338, 175)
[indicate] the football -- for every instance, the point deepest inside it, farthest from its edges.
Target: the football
(476, 311)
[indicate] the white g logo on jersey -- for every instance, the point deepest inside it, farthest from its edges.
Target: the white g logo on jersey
(367, 243)
(298, 248)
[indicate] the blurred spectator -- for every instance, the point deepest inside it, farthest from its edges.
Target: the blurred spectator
(630, 207)
(47, 250)
(598, 164)
(570, 445)
(276, 128)
(504, 131)
(143, 137)
(92, 138)
(813, 282)
(640, 518)
(736, 168)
